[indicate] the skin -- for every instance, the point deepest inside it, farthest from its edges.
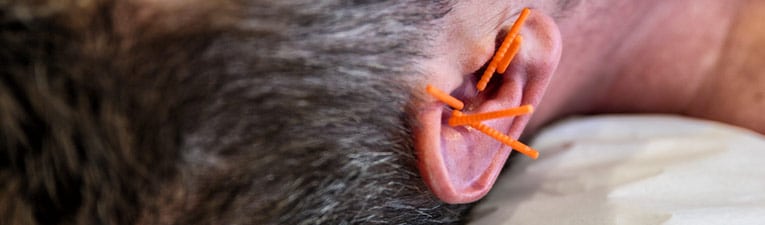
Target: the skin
(700, 63)
(692, 58)
(460, 164)
(228, 112)
(635, 67)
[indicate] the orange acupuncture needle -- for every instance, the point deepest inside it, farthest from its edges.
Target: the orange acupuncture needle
(518, 146)
(461, 119)
(514, 48)
(500, 54)
(444, 97)
(481, 85)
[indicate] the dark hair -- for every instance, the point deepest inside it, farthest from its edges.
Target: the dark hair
(233, 112)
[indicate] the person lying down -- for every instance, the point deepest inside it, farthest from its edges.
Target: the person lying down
(317, 112)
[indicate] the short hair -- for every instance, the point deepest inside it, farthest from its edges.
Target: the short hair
(266, 112)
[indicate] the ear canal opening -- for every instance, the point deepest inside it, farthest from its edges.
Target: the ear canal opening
(492, 87)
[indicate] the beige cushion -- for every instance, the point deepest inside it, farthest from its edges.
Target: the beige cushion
(633, 170)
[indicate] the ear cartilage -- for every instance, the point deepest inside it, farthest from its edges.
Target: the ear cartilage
(514, 48)
(518, 146)
(458, 119)
(500, 54)
(444, 97)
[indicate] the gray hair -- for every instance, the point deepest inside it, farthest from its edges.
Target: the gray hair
(243, 112)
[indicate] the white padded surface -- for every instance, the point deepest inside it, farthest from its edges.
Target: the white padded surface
(633, 170)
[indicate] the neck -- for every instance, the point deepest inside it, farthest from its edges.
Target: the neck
(666, 59)
(734, 92)
(654, 57)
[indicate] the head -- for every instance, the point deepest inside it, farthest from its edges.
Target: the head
(255, 112)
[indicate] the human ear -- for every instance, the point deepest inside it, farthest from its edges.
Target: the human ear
(458, 163)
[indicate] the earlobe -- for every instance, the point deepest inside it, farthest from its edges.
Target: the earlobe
(461, 163)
